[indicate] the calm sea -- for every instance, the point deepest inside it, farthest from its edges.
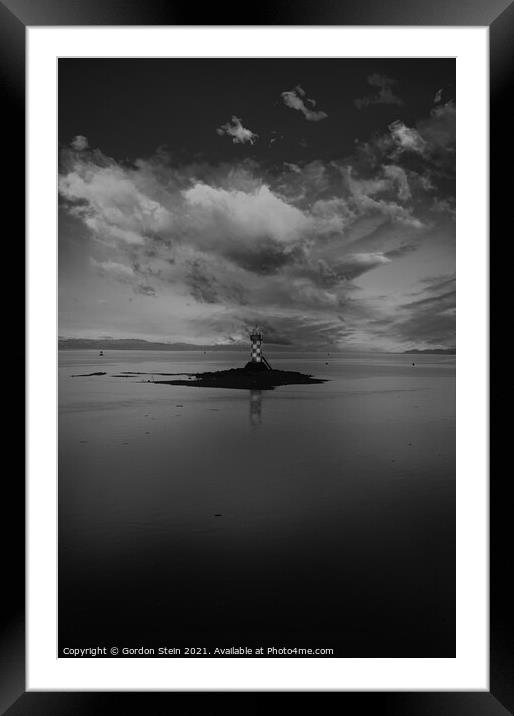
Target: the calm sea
(310, 516)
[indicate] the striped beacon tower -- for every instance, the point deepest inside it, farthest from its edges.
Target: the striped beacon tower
(256, 338)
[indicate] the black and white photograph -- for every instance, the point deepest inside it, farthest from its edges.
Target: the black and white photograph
(257, 357)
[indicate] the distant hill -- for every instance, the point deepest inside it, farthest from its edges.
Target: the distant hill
(136, 344)
(434, 351)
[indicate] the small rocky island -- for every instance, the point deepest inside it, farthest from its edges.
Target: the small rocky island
(257, 374)
(254, 376)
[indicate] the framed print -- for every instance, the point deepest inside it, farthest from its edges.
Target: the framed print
(258, 356)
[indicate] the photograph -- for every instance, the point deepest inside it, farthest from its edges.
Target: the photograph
(256, 357)
(260, 292)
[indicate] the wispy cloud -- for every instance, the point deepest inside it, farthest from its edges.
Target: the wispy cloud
(297, 99)
(428, 319)
(383, 95)
(124, 274)
(239, 134)
(79, 143)
(114, 268)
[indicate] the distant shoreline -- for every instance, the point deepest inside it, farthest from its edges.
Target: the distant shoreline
(432, 351)
(133, 344)
(136, 344)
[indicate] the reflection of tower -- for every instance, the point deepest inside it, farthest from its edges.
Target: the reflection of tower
(255, 407)
(256, 338)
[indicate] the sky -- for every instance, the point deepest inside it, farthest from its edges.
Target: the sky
(314, 198)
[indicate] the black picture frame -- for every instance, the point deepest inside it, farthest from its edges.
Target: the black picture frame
(15, 17)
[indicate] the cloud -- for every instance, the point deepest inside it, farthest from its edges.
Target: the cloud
(293, 167)
(169, 224)
(425, 152)
(406, 138)
(385, 94)
(201, 283)
(275, 136)
(399, 176)
(79, 143)
(113, 268)
(145, 290)
(239, 134)
(400, 251)
(124, 274)
(433, 138)
(355, 265)
(112, 203)
(428, 320)
(244, 215)
(230, 244)
(369, 195)
(438, 96)
(297, 99)
(438, 131)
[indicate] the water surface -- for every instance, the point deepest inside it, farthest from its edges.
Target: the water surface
(310, 515)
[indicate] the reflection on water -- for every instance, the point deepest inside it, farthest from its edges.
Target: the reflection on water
(255, 408)
(331, 524)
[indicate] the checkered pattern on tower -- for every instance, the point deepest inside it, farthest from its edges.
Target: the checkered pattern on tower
(256, 338)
